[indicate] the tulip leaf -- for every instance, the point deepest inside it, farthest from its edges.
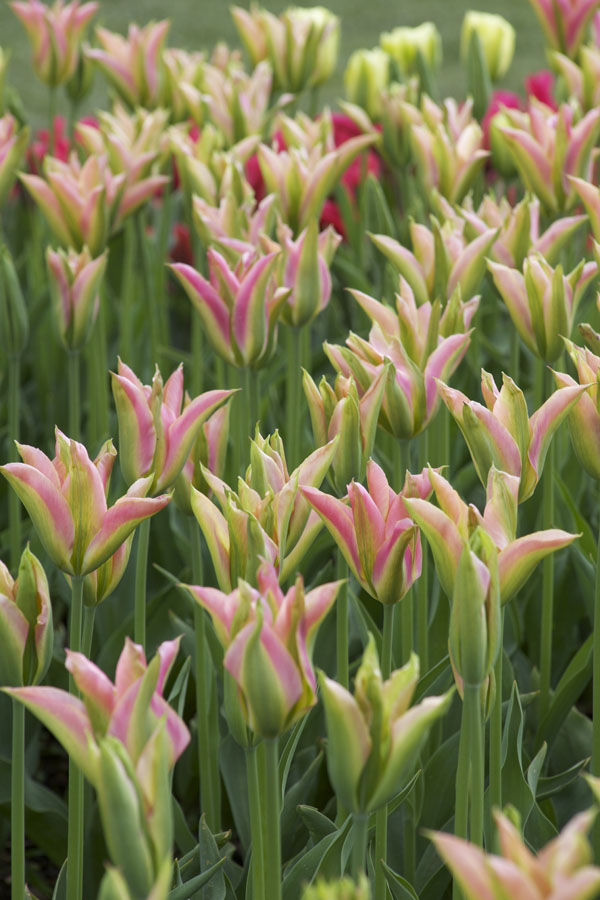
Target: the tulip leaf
(400, 888)
(568, 690)
(189, 888)
(288, 753)
(317, 823)
(183, 836)
(178, 692)
(209, 857)
(60, 888)
(550, 785)
(302, 791)
(398, 800)
(378, 218)
(309, 865)
(233, 770)
(515, 788)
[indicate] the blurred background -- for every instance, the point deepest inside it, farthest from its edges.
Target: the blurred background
(199, 25)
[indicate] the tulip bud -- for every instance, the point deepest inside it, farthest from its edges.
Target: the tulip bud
(305, 272)
(341, 889)
(14, 320)
(497, 38)
(404, 45)
(367, 75)
(26, 631)
(75, 280)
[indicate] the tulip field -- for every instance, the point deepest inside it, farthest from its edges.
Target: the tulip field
(299, 519)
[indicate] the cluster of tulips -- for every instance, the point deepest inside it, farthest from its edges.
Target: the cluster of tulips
(359, 684)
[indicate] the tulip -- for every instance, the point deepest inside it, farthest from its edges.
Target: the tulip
(497, 38)
(542, 301)
(128, 710)
(210, 451)
(590, 197)
(305, 272)
(366, 76)
(26, 630)
(565, 23)
(133, 64)
(74, 285)
(441, 261)
(250, 26)
(55, 33)
(451, 525)
(133, 142)
(518, 230)
(583, 80)
(234, 227)
(373, 737)
(447, 145)
(339, 411)
(584, 418)
(12, 146)
(404, 44)
(156, 433)
(547, 146)
(268, 637)
(180, 67)
(502, 434)
(303, 178)
(375, 533)
(66, 499)
(413, 350)
(560, 869)
(239, 308)
(268, 518)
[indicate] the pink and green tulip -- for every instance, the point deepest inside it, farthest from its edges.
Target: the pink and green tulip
(239, 307)
(542, 301)
(268, 518)
(518, 229)
(66, 499)
(338, 410)
(26, 630)
(374, 737)
(502, 434)
(565, 22)
(375, 533)
(13, 141)
(414, 354)
(55, 34)
(548, 146)
(583, 79)
(133, 65)
(302, 178)
(210, 451)
(237, 225)
(213, 174)
(584, 418)
(135, 143)
(268, 637)
(128, 710)
(74, 287)
(442, 260)
(561, 869)
(157, 430)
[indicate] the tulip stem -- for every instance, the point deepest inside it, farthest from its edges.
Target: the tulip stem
(17, 803)
(256, 862)
(98, 401)
(128, 293)
(74, 394)
(150, 293)
(496, 728)
(75, 805)
(360, 827)
(271, 821)
(407, 611)
(207, 731)
(14, 507)
(381, 816)
(595, 767)
(475, 729)
(89, 616)
(293, 396)
(547, 577)
(141, 572)
(51, 117)
(423, 582)
(341, 624)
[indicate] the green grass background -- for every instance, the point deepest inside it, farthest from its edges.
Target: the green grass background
(199, 24)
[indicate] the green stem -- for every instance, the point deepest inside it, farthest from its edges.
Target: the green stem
(595, 767)
(515, 355)
(74, 394)
(496, 730)
(547, 583)
(98, 384)
(256, 863)
(293, 398)
(128, 295)
(475, 727)
(360, 828)
(89, 616)
(198, 351)
(51, 117)
(423, 582)
(75, 807)
(381, 816)
(407, 611)
(14, 504)
(250, 388)
(149, 292)
(17, 803)
(164, 230)
(341, 624)
(141, 572)
(208, 743)
(271, 821)
(461, 807)
(410, 841)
